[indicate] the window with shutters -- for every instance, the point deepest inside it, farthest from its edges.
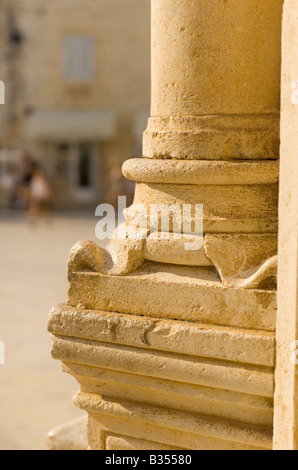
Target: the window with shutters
(79, 58)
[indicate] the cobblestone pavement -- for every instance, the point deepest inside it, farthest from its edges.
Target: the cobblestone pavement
(35, 395)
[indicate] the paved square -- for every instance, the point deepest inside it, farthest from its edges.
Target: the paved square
(35, 395)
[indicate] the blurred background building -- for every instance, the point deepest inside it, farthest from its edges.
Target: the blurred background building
(77, 77)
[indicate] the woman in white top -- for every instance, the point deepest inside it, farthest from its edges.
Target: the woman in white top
(40, 195)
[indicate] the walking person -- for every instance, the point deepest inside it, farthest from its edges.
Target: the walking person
(40, 196)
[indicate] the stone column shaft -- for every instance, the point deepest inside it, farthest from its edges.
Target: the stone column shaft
(215, 80)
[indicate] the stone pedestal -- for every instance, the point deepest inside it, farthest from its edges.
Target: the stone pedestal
(172, 348)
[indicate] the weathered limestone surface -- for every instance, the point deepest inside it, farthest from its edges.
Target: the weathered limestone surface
(286, 396)
(158, 290)
(175, 349)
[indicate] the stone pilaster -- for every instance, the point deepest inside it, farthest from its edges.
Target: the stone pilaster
(174, 349)
(286, 396)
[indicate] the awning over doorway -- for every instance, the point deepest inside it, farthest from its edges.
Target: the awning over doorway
(72, 126)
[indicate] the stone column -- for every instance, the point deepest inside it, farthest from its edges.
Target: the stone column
(286, 396)
(214, 131)
(174, 348)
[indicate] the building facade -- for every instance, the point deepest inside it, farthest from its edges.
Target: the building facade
(78, 90)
